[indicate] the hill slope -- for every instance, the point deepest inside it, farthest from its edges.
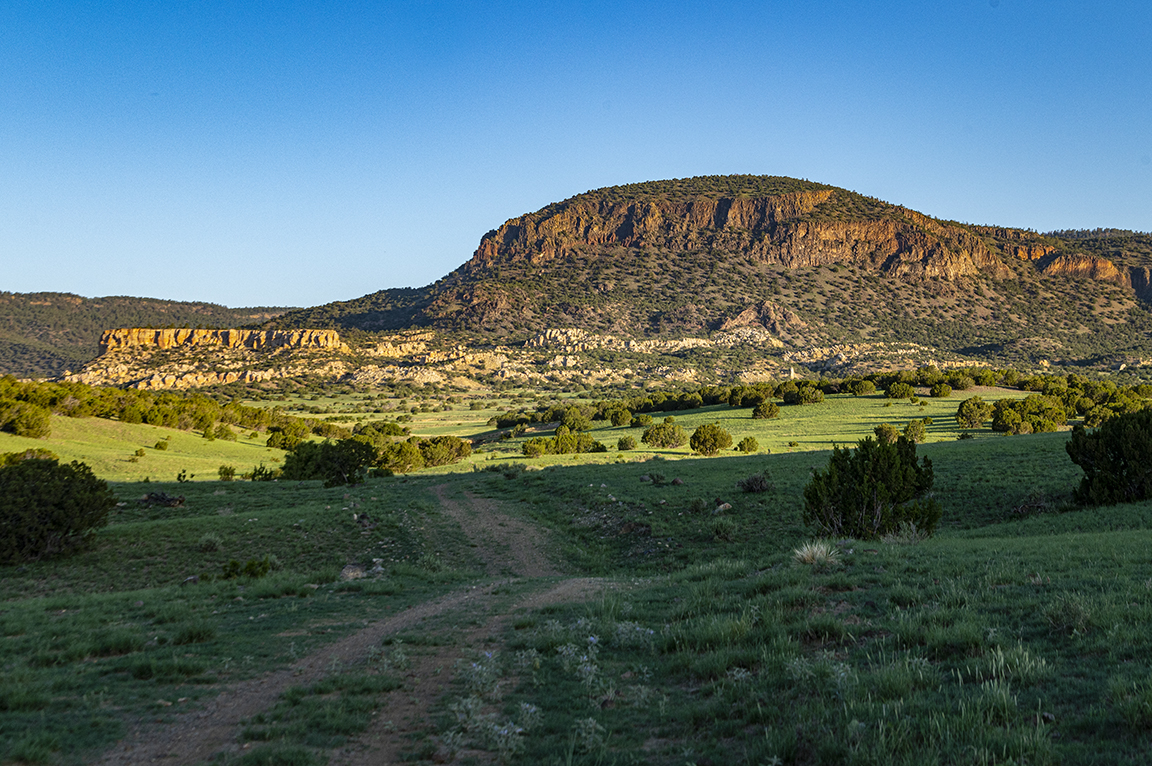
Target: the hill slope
(43, 334)
(811, 263)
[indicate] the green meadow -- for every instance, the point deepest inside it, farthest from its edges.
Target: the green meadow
(1017, 634)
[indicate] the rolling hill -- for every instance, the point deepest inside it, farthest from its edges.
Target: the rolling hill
(44, 334)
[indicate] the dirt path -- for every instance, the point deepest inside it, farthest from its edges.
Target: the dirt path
(505, 544)
(406, 716)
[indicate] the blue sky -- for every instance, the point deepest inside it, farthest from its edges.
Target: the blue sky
(295, 153)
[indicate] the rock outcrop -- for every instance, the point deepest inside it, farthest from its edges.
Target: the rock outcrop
(255, 340)
(777, 229)
(194, 358)
(1087, 267)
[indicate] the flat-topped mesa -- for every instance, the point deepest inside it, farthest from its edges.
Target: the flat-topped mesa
(779, 228)
(256, 340)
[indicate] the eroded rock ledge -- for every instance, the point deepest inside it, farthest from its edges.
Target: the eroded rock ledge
(254, 340)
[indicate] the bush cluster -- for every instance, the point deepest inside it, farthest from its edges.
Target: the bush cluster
(47, 508)
(664, 435)
(1115, 459)
(564, 442)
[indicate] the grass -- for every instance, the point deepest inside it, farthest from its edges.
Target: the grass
(1018, 633)
(109, 446)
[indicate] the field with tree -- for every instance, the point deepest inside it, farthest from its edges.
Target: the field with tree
(595, 606)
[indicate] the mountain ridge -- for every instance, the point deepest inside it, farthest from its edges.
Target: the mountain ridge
(764, 262)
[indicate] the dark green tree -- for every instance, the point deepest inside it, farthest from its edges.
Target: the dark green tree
(710, 439)
(48, 509)
(766, 410)
(871, 491)
(899, 390)
(1115, 459)
(748, 445)
(973, 412)
(666, 434)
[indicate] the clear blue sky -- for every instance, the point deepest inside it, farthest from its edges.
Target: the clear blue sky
(294, 153)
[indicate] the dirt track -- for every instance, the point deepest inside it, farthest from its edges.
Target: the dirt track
(507, 546)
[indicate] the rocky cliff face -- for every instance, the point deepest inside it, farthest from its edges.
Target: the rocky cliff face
(191, 358)
(255, 340)
(1087, 267)
(780, 229)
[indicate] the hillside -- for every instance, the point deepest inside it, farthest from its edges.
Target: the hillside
(44, 334)
(809, 263)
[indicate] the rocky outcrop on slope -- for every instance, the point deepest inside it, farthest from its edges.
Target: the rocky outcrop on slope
(1087, 267)
(254, 340)
(194, 358)
(777, 229)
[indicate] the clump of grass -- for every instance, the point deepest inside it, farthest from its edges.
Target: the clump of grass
(724, 529)
(819, 554)
(1017, 665)
(1133, 700)
(210, 542)
(906, 534)
(1068, 613)
(757, 482)
(195, 633)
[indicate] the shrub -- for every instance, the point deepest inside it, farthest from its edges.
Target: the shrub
(260, 473)
(871, 491)
(1032, 414)
(25, 419)
(341, 462)
(38, 453)
(860, 387)
(805, 393)
(225, 432)
(227, 472)
(886, 433)
(710, 439)
(748, 445)
(400, 457)
(1115, 459)
(766, 410)
(941, 391)
(625, 443)
(160, 445)
(620, 417)
(666, 434)
(643, 420)
(535, 447)
(442, 450)
(915, 431)
(757, 482)
(962, 382)
(47, 508)
(900, 391)
(973, 413)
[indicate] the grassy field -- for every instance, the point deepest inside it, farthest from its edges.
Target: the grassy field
(1018, 634)
(110, 448)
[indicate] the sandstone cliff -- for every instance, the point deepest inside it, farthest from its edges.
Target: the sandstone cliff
(193, 358)
(255, 340)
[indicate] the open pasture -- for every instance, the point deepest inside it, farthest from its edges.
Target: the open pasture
(1017, 634)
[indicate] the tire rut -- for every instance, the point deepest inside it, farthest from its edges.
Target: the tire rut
(505, 544)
